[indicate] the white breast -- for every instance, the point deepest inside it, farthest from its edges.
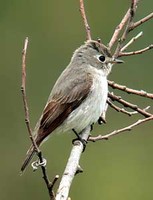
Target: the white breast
(99, 94)
(92, 107)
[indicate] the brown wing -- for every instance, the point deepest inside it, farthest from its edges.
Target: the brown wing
(61, 105)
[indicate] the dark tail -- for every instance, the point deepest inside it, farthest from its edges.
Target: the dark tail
(29, 155)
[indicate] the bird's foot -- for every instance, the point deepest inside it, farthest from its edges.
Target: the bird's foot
(101, 120)
(84, 142)
(91, 127)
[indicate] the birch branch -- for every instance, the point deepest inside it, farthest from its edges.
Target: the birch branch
(71, 167)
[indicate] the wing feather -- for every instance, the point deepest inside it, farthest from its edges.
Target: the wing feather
(61, 105)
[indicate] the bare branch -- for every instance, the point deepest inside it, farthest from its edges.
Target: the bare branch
(71, 167)
(132, 40)
(27, 120)
(141, 21)
(23, 90)
(132, 53)
(132, 11)
(130, 90)
(126, 20)
(119, 29)
(128, 104)
(122, 110)
(51, 186)
(116, 132)
(83, 14)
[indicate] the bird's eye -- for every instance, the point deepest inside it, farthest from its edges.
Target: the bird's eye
(101, 58)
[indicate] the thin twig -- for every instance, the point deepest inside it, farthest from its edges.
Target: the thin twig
(132, 53)
(125, 21)
(128, 104)
(83, 14)
(118, 29)
(51, 187)
(141, 21)
(132, 40)
(122, 110)
(48, 183)
(23, 90)
(132, 9)
(54, 181)
(27, 120)
(130, 90)
(116, 132)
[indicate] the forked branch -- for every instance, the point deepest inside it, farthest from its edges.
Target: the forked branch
(141, 21)
(133, 53)
(116, 132)
(122, 110)
(130, 90)
(118, 29)
(129, 105)
(126, 26)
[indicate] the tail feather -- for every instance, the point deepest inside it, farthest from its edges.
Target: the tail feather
(28, 158)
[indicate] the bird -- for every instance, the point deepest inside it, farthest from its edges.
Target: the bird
(79, 95)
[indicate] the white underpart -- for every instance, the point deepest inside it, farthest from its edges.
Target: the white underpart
(91, 108)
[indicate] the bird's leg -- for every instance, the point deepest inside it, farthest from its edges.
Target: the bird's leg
(101, 120)
(91, 127)
(84, 142)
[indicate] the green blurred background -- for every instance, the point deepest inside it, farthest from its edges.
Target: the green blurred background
(120, 168)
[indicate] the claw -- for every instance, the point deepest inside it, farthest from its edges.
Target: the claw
(84, 142)
(101, 120)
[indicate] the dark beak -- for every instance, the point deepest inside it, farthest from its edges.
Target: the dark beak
(115, 60)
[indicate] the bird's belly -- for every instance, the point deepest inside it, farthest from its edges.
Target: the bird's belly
(90, 109)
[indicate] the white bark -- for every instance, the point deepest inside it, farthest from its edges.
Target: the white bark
(71, 167)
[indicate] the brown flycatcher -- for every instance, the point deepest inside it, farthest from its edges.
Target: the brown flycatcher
(79, 95)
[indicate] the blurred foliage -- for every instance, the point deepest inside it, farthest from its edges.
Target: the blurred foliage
(120, 168)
